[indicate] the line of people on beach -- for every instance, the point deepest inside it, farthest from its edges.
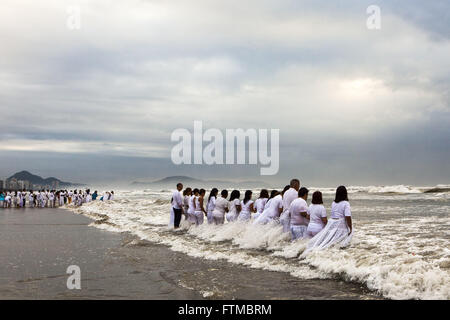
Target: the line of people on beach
(287, 208)
(49, 198)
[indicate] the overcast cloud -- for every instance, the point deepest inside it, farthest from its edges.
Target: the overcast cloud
(353, 105)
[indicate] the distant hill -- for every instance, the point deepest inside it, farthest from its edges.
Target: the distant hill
(34, 179)
(193, 182)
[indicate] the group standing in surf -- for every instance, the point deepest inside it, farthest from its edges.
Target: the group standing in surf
(288, 208)
(49, 198)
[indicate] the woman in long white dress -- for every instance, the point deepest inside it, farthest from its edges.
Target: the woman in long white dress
(247, 207)
(191, 210)
(260, 203)
(200, 211)
(338, 231)
(220, 208)
(187, 193)
(272, 210)
(211, 205)
(317, 215)
(234, 206)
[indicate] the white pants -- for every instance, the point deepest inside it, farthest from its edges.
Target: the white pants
(313, 229)
(298, 231)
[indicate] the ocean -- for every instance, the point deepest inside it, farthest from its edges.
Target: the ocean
(400, 248)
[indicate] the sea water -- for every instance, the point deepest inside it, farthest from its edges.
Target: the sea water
(400, 248)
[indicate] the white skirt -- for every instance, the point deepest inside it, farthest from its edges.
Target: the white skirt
(244, 216)
(210, 216)
(335, 233)
(231, 216)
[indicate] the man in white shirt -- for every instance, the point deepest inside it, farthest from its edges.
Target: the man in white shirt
(290, 195)
(177, 205)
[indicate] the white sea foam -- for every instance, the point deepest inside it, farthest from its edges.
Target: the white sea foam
(400, 251)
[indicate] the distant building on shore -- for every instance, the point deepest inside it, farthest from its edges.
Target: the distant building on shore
(2, 186)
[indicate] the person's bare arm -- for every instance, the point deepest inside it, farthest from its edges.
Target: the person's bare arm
(251, 208)
(324, 220)
(304, 214)
(238, 208)
(349, 223)
(201, 206)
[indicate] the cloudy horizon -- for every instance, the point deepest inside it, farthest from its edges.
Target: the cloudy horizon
(354, 106)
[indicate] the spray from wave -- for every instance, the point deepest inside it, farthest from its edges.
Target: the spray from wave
(399, 251)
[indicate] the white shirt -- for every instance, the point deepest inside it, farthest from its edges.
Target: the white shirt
(246, 207)
(221, 205)
(259, 204)
(177, 201)
(340, 210)
(276, 203)
(297, 206)
(290, 195)
(233, 204)
(316, 213)
(211, 204)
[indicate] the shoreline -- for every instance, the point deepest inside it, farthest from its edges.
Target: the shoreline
(39, 245)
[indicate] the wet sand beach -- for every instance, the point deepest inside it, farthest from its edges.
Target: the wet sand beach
(37, 246)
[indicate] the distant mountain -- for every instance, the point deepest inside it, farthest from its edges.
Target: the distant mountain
(34, 179)
(193, 182)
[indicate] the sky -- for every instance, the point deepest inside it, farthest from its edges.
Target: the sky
(354, 105)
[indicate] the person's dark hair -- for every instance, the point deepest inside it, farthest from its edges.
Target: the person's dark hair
(286, 188)
(317, 198)
(202, 191)
(247, 196)
(264, 193)
(213, 193)
(235, 194)
(341, 194)
(302, 191)
(179, 184)
(186, 191)
(224, 193)
(274, 193)
(293, 182)
(195, 191)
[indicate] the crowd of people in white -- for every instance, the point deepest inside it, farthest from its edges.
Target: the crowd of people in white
(288, 208)
(49, 198)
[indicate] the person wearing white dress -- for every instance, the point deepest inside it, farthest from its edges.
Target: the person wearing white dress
(338, 231)
(220, 208)
(298, 212)
(187, 193)
(199, 210)
(247, 207)
(264, 218)
(260, 203)
(191, 210)
(234, 206)
(211, 205)
(290, 195)
(317, 215)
